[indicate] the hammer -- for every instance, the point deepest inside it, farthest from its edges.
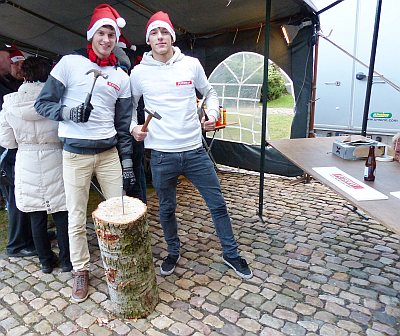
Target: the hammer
(97, 74)
(150, 114)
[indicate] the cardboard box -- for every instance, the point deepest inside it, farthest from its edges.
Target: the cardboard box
(357, 149)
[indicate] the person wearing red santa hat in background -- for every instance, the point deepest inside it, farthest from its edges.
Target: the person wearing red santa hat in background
(95, 135)
(17, 59)
(168, 80)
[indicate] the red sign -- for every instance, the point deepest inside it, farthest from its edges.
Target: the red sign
(346, 181)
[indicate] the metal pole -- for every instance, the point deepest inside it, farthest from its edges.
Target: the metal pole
(311, 133)
(329, 7)
(264, 107)
(371, 68)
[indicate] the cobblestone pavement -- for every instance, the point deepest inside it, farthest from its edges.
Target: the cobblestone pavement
(318, 270)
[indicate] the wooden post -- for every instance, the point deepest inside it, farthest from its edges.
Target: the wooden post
(125, 246)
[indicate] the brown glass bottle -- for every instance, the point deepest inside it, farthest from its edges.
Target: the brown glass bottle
(370, 165)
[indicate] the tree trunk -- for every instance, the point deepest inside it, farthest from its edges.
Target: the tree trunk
(125, 246)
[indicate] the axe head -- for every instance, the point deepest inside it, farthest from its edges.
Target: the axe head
(154, 114)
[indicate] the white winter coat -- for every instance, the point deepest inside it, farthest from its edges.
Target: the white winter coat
(38, 167)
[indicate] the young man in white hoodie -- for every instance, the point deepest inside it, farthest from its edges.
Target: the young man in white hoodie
(167, 79)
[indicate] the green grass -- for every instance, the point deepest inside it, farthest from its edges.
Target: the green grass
(244, 125)
(279, 126)
(3, 230)
(285, 101)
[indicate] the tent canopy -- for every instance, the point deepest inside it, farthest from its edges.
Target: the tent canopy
(60, 26)
(210, 30)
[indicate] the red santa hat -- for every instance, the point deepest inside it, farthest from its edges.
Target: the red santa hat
(16, 55)
(104, 15)
(124, 43)
(160, 20)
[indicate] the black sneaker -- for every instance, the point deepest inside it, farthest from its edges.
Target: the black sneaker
(239, 265)
(168, 264)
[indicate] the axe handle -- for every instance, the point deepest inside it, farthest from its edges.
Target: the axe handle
(88, 99)
(89, 95)
(144, 127)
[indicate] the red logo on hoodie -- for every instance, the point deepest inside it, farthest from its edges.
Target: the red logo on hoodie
(188, 82)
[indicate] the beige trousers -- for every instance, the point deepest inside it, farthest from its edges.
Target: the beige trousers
(78, 170)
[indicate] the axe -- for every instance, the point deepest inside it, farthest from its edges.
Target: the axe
(97, 74)
(150, 114)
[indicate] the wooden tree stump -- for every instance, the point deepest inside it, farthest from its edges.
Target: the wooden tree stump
(125, 246)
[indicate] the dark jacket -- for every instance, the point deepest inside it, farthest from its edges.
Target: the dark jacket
(8, 84)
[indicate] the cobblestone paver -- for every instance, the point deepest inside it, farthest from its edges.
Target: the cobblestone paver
(319, 269)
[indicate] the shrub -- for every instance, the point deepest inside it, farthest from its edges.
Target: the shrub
(276, 83)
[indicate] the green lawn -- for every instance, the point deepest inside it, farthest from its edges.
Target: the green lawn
(246, 125)
(279, 126)
(285, 101)
(3, 230)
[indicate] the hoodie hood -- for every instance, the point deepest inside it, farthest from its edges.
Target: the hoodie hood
(149, 60)
(21, 102)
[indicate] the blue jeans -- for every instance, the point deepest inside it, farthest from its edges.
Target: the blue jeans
(196, 166)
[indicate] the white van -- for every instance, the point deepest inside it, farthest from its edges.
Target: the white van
(342, 81)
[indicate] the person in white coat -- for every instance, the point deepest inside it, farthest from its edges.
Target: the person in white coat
(39, 188)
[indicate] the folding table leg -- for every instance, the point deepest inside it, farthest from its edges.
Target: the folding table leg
(208, 149)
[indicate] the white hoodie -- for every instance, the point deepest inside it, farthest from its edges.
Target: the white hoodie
(169, 89)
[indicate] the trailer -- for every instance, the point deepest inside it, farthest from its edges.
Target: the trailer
(342, 70)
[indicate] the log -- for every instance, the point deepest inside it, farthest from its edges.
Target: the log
(125, 246)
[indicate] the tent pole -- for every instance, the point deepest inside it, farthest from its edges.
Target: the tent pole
(371, 68)
(311, 133)
(264, 106)
(329, 7)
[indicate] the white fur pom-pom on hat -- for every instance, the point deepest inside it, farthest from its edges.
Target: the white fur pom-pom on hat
(160, 20)
(104, 15)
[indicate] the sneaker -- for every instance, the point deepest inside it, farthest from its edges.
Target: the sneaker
(239, 265)
(168, 264)
(80, 289)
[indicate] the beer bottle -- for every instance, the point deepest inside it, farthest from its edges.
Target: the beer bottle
(370, 165)
(224, 116)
